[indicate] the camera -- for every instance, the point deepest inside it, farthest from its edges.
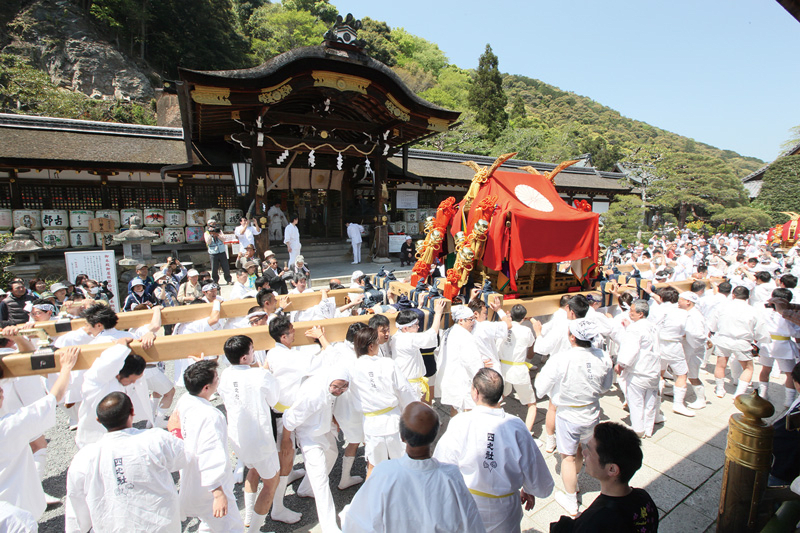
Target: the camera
(213, 229)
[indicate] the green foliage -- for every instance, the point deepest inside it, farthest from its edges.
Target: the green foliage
(243, 10)
(320, 9)
(486, 95)
(25, 89)
(695, 184)
(378, 37)
(743, 218)
(275, 30)
(792, 141)
(5, 260)
(417, 50)
(624, 220)
(781, 188)
(604, 157)
(518, 108)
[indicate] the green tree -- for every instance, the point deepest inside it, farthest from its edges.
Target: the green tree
(744, 218)
(321, 9)
(451, 90)
(695, 184)
(604, 157)
(779, 192)
(486, 95)
(518, 108)
(792, 141)
(276, 30)
(417, 50)
(378, 37)
(623, 220)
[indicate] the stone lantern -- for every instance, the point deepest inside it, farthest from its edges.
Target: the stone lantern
(136, 243)
(26, 253)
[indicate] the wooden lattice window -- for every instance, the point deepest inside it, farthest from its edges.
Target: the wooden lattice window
(35, 196)
(211, 196)
(5, 195)
(73, 197)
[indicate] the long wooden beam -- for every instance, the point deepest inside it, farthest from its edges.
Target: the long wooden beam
(172, 347)
(189, 313)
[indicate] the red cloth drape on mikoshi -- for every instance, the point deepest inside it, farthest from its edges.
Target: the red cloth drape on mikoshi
(544, 228)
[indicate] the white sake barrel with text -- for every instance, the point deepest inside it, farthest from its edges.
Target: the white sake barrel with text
(80, 218)
(174, 218)
(159, 232)
(194, 234)
(27, 218)
(55, 218)
(80, 238)
(232, 216)
(111, 214)
(217, 214)
(126, 214)
(154, 217)
(174, 236)
(195, 217)
(55, 238)
(6, 219)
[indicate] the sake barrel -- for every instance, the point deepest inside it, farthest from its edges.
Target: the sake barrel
(154, 217)
(110, 214)
(174, 218)
(55, 218)
(232, 216)
(109, 238)
(195, 217)
(158, 231)
(126, 214)
(80, 218)
(55, 238)
(174, 236)
(217, 214)
(412, 228)
(80, 238)
(194, 234)
(27, 218)
(6, 219)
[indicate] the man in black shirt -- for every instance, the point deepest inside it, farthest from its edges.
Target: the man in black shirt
(612, 456)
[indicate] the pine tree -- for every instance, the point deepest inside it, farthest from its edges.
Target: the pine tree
(486, 95)
(779, 191)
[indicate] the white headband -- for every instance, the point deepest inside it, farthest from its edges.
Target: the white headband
(412, 323)
(583, 329)
(460, 312)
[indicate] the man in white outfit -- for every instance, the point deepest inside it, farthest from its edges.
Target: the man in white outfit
(488, 335)
(407, 342)
(459, 361)
(19, 481)
(354, 233)
(414, 492)
(581, 374)
(291, 238)
(694, 345)
(514, 354)
(124, 480)
(277, 220)
(245, 232)
(496, 456)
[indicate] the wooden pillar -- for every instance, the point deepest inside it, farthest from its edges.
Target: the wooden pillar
(105, 197)
(16, 192)
(259, 171)
(748, 457)
(381, 233)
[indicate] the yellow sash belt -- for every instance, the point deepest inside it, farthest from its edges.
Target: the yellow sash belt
(425, 388)
(780, 338)
(381, 412)
(514, 363)
(487, 495)
(281, 408)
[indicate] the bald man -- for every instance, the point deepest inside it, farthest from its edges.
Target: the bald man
(424, 493)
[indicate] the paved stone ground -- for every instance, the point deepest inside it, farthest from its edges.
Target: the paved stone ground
(682, 468)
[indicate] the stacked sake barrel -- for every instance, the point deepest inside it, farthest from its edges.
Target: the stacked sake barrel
(60, 228)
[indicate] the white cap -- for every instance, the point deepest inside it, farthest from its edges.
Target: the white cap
(460, 312)
(158, 276)
(357, 274)
(690, 296)
(583, 329)
(192, 272)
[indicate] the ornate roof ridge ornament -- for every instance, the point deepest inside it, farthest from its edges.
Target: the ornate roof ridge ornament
(345, 32)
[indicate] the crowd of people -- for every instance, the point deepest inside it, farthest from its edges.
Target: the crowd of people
(376, 389)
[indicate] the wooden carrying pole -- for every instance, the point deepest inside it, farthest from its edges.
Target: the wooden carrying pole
(172, 347)
(190, 313)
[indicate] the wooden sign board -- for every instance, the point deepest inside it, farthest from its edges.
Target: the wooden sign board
(101, 225)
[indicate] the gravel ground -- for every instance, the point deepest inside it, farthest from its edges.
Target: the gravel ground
(61, 446)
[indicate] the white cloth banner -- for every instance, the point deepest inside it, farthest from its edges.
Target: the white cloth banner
(100, 265)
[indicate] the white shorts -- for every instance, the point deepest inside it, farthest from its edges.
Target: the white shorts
(267, 467)
(784, 365)
(570, 435)
(693, 363)
(679, 368)
(524, 392)
(736, 354)
(379, 449)
(157, 381)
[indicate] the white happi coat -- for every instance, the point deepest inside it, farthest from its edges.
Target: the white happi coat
(696, 334)
(248, 394)
(737, 325)
(514, 354)
(671, 329)
(123, 482)
(19, 481)
(290, 366)
(348, 410)
(487, 336)
(205, 437)
(16, 520)
(405, 349)
(497, 457)
(380, 384)
(77, 337)
(638, 353)
(408, 495)
(555, 336)
(779, 348)
(459, 361)
(98, 381)
(196, 326)
(575, 379)
(277, 220)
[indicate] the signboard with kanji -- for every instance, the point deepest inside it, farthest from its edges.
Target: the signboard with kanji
(100, 265)
(101, 225)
